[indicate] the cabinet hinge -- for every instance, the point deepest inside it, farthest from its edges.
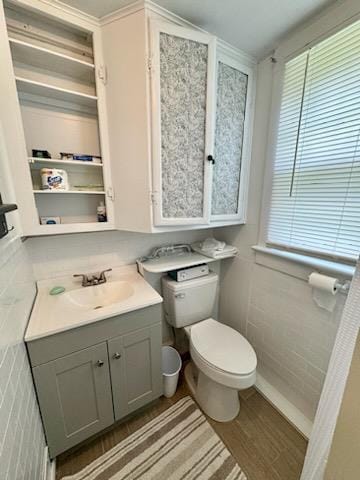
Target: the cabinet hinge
(110, 193)
(102, 74)
(149, 64)
(153, 198)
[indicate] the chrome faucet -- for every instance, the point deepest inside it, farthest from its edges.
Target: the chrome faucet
(93, 278)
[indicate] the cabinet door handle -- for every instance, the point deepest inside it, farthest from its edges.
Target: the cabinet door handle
(99, 363)
(117, 355)
(211, 159)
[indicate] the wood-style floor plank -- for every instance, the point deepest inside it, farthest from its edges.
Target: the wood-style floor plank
(264, 444)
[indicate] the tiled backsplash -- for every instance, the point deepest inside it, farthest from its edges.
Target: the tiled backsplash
(87, 252)
(22, 440)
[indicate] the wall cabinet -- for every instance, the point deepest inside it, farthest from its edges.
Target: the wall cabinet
(53, 85)
(167, 108)
(185, 130)
(90, 377)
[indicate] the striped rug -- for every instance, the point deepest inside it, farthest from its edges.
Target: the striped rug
(179, 444)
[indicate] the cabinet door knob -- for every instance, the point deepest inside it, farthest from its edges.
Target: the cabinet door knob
(211, 159)
(99, 363)
(117, 355)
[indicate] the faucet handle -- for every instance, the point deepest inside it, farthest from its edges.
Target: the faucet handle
(102, 277)
(84, 277)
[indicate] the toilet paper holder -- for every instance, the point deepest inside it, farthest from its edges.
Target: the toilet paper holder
(329, 284)
(343, 286)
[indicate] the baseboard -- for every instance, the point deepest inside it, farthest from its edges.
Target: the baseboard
(284, 407)
(49, 466)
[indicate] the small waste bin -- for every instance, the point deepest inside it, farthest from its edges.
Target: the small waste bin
(171, 365)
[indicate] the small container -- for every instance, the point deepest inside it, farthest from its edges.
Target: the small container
(54, 179)
(50, 220)
(171, 366)
(101, 212)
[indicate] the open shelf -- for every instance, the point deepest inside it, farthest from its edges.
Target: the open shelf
(52, 93)
(55, 74)
(60, 162)
(45, 59)
(79, 227)
(175, 262)
(69, 192)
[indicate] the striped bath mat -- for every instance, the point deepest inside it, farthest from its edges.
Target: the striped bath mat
(179, 444)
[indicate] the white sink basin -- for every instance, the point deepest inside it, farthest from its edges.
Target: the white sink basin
(98, 296)
(124, 291)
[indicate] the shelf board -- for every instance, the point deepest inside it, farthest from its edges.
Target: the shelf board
(58, 161)
(45, 59)
(174, 262)
(50, 92)
(69, 192)
(64, 228)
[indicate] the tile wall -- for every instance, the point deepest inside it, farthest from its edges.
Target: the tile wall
(22, 441)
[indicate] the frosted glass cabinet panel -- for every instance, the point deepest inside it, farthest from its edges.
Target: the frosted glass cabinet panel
(183, 80)
(230, 149)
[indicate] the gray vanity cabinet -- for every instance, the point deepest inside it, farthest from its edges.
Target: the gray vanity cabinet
(87, 378)
(134, 365)
(75, 396)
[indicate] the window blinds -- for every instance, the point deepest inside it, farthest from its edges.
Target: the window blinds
(315, 204)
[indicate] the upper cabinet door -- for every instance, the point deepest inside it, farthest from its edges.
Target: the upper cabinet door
(183, 80)
(232, 149)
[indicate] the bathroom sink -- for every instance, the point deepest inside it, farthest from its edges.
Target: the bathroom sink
(99, 296)
(124, 291)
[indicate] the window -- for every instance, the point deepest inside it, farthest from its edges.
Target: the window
(315, 203)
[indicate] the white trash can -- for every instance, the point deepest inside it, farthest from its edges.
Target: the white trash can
(171, 366)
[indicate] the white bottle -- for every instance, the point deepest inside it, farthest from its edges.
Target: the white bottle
(101, 212)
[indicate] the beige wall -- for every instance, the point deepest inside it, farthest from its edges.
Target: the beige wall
(344, 459)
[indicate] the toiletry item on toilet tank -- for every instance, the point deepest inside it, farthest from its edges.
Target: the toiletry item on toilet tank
(101, 212)
(54, 179)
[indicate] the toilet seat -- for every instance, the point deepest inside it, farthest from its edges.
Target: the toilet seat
(223, 354)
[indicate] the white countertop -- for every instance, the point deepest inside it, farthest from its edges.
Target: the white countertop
(55, 313)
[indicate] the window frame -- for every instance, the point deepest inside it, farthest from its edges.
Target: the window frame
(286, 52)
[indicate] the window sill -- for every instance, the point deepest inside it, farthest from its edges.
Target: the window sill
(284, 257)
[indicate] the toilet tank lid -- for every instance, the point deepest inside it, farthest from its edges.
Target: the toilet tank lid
(223, 347)
(195, 282)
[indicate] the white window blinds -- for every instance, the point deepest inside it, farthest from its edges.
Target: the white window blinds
(315, 204)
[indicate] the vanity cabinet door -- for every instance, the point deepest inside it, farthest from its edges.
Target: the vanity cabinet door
(234, 85)
(74, 394)
(135, 366)
(183, 79)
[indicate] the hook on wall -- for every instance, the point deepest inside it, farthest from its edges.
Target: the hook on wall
(5, 208)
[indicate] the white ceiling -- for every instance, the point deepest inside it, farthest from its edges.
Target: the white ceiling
(255, 26)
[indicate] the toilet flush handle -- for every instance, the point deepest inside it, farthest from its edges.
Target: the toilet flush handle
(180, 295)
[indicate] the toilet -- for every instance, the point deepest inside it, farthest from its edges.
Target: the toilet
(223, 361)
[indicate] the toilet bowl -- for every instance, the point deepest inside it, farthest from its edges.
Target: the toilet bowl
(222, 360)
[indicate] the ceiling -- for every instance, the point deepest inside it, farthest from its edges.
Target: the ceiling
(255, 26)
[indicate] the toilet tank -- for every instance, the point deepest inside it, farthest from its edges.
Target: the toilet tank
(189, 302)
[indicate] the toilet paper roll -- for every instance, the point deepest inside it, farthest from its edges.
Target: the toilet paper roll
(323, 282)
(324, 290)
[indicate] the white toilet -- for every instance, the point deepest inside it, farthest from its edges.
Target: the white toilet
(223, 361)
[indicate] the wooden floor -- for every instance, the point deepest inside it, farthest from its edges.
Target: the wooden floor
(264, 444)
